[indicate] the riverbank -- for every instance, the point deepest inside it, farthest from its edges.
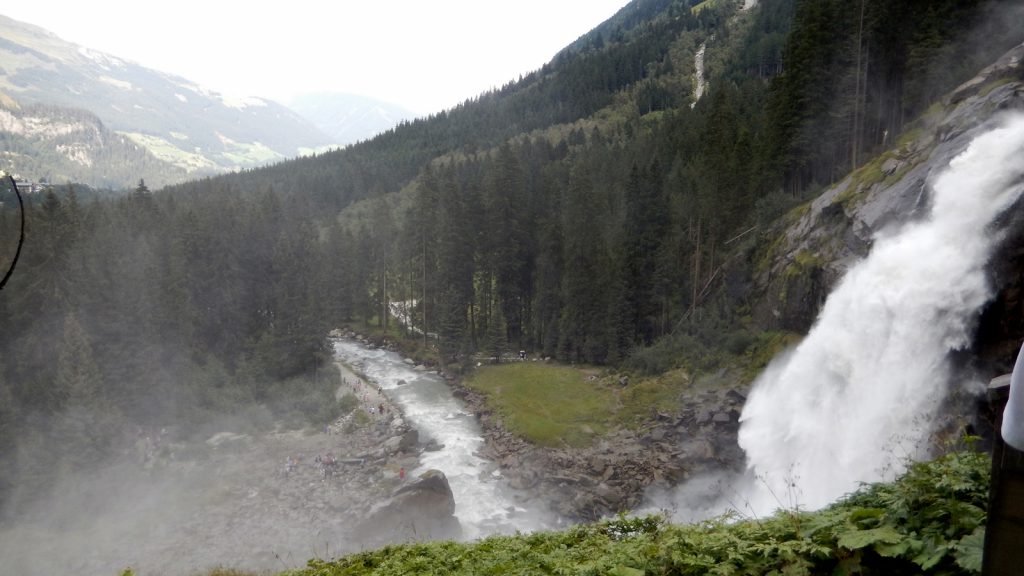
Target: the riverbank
(619, 470)
(258, 502)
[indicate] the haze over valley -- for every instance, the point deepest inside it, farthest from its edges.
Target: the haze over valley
(715, 286)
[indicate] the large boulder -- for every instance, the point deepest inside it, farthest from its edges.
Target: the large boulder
(421, 510)
(404, 443)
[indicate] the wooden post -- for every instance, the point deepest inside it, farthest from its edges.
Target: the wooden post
(1004, 533)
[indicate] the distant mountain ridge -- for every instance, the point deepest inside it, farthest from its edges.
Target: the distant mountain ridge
(196, 130)
(349, 118)
(58, 145)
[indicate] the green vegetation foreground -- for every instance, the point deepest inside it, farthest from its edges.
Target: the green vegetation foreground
(930, 521)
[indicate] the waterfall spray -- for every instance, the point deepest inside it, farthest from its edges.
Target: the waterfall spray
(859, 396)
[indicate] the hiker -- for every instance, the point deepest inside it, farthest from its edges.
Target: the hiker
(328, 465)
(401, 473)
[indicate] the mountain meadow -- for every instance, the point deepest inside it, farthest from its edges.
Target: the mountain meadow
(640, 220)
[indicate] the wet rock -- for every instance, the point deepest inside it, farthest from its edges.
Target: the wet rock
(890, 166)
(409, 440)
(433, 446)
(419, 511)
(736, 396)
(404, 443)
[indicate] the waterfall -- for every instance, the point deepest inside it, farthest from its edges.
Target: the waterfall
(858, 397)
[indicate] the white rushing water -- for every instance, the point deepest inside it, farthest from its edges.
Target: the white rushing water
(484, 504)
(698, 67)
(858, 396)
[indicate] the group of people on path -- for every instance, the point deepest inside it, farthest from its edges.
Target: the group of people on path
(325, 465)
(371, 398)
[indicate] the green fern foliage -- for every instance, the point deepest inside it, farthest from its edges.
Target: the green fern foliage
(930, 521)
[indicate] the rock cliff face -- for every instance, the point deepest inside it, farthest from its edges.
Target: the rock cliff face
(817, 244)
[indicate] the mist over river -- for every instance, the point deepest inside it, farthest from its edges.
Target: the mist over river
(226, 502)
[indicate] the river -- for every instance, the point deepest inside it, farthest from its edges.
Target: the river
(484, 502)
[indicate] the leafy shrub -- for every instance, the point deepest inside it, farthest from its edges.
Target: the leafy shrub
(347, 404)
(931, 521)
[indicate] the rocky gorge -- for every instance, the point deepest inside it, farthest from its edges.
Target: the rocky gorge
(784, 275)
(268, 499)
(237, 485)
(614, 473)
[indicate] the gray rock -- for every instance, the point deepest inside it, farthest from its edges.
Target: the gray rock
(890, 166)
(409, 440)
(391, 445)
(418, 511)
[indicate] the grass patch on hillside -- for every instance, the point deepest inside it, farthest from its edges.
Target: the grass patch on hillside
(549, 405)
(169, 152)
(245, 153)
(765, 348)
(704, 6)
(645, 398)
(931, 521)
(556, 405)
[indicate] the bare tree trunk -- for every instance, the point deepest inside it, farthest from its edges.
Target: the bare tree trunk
(696, 268)
(855, 140)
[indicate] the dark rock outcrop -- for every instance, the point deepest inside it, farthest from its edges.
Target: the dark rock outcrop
(614, 474)
(421, 510)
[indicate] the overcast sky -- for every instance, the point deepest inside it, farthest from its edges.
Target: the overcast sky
(425, 55)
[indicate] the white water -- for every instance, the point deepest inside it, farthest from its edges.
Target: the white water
(698, 65)
(858, 396)
(484, 504)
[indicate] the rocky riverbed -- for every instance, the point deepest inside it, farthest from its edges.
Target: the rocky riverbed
(617, 472)
(235, 501)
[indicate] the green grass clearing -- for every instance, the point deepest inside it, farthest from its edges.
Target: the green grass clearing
(555, 405)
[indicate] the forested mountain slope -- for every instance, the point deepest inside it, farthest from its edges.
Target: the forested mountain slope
(601, 204)
(59, 145)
